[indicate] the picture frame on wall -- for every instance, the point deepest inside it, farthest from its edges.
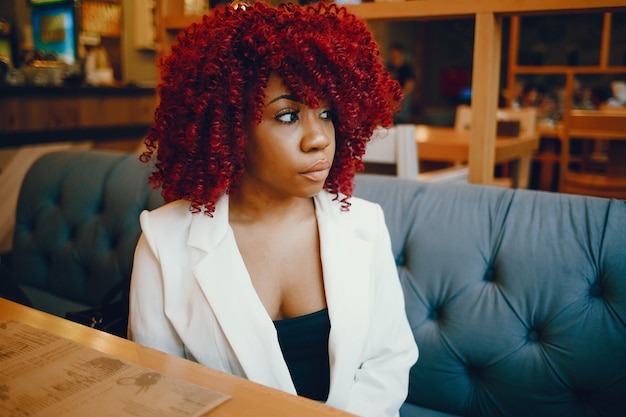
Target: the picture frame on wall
(55, 31)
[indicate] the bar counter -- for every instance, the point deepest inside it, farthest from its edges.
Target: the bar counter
(36, 115)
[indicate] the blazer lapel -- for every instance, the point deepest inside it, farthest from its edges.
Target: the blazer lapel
(346, 265)
(226, 284)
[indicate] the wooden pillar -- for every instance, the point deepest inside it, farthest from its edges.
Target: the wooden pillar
(485, 89)
(514, 33)
(606, 41)
(565, 142)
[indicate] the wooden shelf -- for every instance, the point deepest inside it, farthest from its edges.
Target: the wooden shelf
(564, 69)
(603, 67)
(422, 9)
(569, 73)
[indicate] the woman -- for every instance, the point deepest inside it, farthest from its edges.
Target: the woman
(261, 264)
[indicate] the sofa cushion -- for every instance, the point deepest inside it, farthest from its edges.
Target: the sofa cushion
(77, 224)
(517, 298)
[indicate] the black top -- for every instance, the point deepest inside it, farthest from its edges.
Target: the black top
(304, 343)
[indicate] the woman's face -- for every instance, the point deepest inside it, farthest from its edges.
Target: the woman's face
(290, 152)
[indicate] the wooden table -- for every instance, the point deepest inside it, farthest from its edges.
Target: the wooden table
(447, 144)
(248, 398)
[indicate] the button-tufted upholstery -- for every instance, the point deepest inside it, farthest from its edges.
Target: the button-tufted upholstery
(77, 226)
(517, 298)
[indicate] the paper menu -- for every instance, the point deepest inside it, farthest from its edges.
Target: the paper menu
(45, 375)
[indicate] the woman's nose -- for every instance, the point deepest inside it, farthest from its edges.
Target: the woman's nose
(317, 135)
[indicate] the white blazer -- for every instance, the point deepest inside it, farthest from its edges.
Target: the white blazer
(191, 296)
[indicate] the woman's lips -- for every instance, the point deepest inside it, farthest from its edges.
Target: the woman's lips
(318, 171)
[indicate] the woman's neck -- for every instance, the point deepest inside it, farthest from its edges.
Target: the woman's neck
(250, 207)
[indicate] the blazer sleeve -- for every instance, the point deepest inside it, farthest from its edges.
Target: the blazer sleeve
(148, 324)
(381, 382)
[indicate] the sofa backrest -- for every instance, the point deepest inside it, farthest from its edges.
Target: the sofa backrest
(77, 224)
(517, 298)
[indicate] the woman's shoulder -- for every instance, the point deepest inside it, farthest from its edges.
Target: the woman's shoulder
(357, 207)
(176, 211)
(175, 220)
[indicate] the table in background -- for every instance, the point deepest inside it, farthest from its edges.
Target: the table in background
(447, 144)
(248, 398)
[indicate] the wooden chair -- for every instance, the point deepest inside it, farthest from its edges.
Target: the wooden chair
(599, 168)
(463, 117)
(396, 147)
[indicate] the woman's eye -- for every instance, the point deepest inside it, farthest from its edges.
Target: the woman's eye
(327, 115)
(287, 116)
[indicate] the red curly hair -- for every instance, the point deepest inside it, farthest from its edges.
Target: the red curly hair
(213, 82)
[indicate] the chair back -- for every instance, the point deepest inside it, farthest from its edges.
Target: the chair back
(397, 146)
(394, 146)
(593, 154)
(463, 117)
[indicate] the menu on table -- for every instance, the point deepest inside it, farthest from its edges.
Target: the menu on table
(43, 374)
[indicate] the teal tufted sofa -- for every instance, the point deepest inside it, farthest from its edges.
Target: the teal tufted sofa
(517, 299)
(77, 226)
